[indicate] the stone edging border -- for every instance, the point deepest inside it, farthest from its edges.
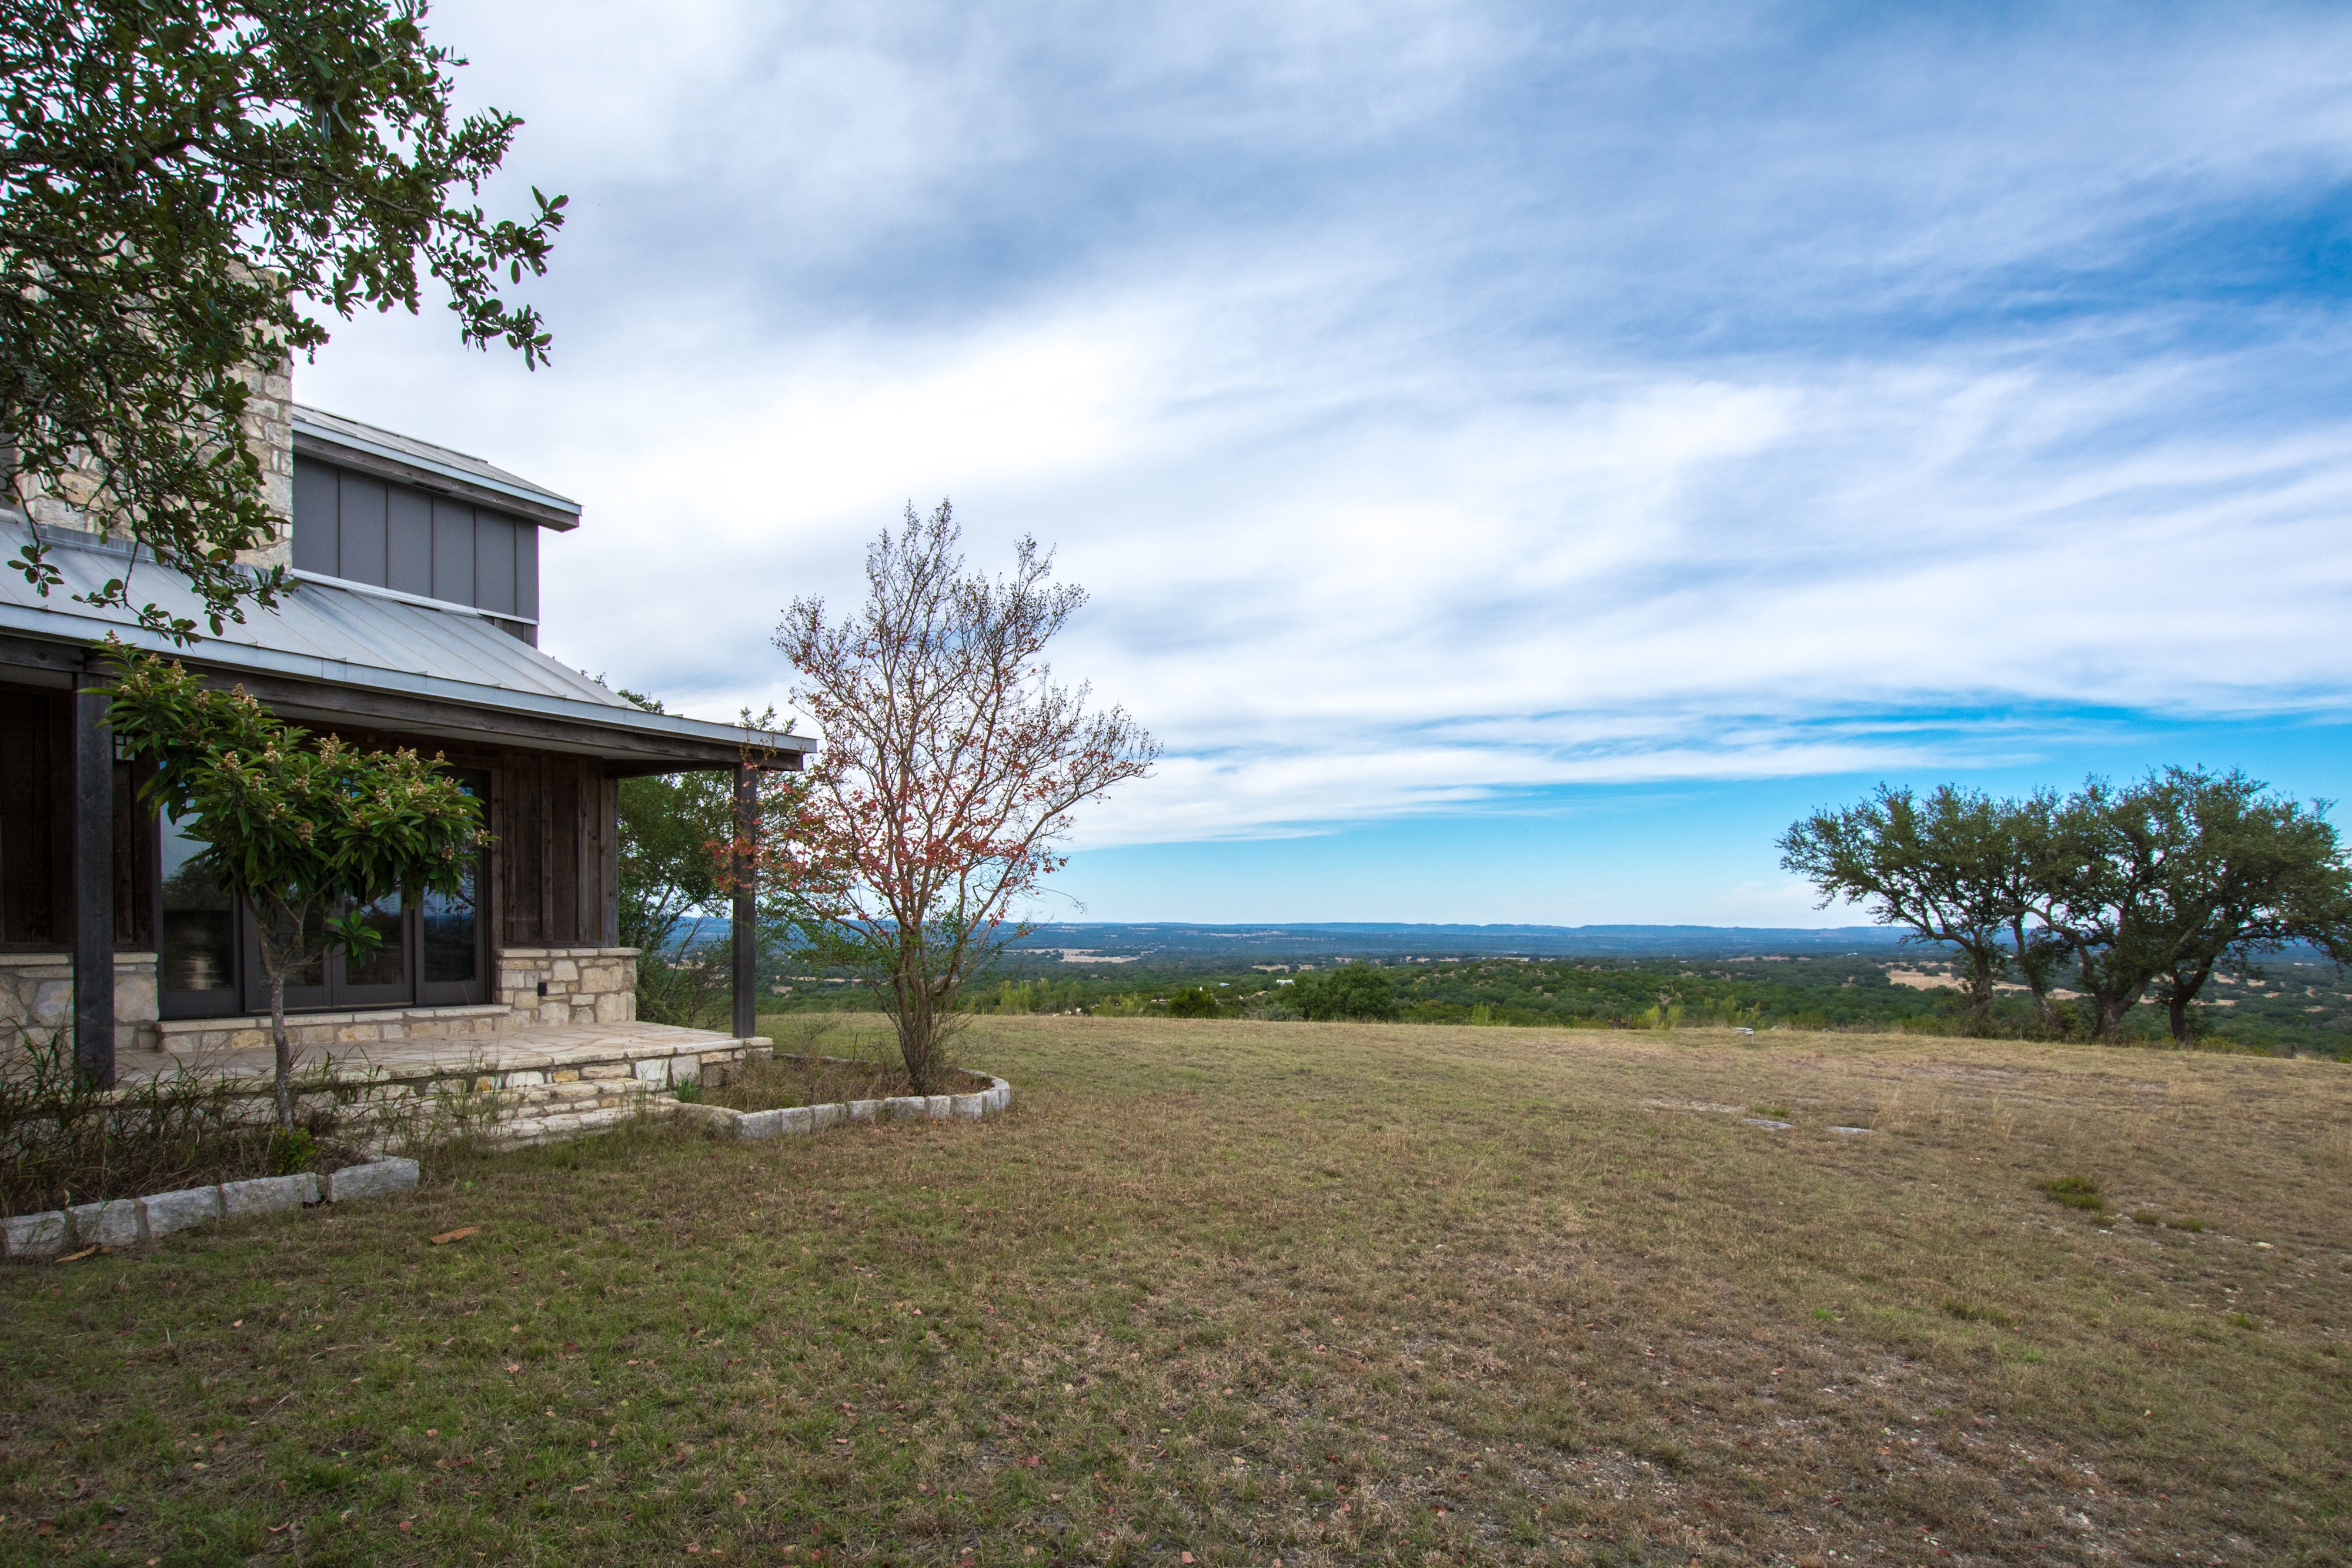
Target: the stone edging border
(122, 1222)
(757, 1125)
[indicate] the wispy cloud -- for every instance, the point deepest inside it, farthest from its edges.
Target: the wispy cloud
(1446, 401)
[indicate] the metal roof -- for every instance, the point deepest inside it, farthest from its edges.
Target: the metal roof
(353, 435)
(347, 636)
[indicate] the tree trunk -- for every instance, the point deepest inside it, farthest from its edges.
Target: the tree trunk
(1980, 990)
(283, 1076)
(2036, 970)
(2176, 1002)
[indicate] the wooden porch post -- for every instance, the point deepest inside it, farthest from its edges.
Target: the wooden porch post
(746, 913)
(93, 882)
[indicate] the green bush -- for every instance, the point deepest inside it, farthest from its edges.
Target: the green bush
(1194, 1002)
(1354, 991)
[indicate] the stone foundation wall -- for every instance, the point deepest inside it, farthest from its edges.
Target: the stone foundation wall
(192, 1036)
(569, 984)
(36, 1000)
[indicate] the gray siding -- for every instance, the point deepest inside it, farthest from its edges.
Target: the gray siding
(366, 529)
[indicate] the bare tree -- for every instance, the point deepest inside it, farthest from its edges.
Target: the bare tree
(950, 769)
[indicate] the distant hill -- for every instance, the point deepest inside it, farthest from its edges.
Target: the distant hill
(1172, 941)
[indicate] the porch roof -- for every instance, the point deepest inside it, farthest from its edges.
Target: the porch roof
(342, 654)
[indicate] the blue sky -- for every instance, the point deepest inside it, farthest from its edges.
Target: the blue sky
(1521, 455)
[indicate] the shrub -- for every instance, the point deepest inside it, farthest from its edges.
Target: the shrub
(1194, 1002)
(1354, 991)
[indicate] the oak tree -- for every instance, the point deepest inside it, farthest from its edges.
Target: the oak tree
(1953, 869)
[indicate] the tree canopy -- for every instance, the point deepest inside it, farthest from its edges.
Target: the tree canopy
(184, 186)
(2147, 888)
(1351, 991)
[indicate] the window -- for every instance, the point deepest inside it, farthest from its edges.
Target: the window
(431, 953)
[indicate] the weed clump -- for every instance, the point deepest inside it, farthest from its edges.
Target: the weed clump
(2075, 1192)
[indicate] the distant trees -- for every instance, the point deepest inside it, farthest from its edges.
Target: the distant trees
(2149, 887)
(1351, 991)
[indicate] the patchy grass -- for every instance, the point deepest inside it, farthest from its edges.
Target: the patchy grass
(1330, 1293)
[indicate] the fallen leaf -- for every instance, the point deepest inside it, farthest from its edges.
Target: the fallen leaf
(77, 1257)
(742, 1501)
(1183, 1557)
(513, 1367)
(1034, 1460)
(459, 1234)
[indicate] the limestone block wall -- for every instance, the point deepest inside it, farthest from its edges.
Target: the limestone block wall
(36, 1000)
(200, 1037)
(569, 984)
(72, 499)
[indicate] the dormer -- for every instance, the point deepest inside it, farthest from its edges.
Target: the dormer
(377, 510)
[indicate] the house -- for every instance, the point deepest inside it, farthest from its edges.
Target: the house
(415, 622)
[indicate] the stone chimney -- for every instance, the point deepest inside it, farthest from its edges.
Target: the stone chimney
(65, 500)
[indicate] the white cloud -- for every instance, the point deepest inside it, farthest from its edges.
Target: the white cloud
(1442, 400)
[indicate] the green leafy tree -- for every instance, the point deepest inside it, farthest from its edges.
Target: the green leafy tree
(1955, 869)
(2155, 886)
(311, 836)
(1351, 991)
(1194, 1002)
(184, 186)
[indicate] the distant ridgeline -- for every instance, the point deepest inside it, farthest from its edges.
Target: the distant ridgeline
(1168, 943)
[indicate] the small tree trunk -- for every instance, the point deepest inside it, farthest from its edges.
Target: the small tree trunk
(284, 1050)
(915, 1040)
(2176, 1007)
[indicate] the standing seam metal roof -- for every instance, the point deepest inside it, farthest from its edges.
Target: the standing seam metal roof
(336, 634)
(334, 425)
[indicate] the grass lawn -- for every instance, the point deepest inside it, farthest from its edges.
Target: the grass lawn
(1319, 1294)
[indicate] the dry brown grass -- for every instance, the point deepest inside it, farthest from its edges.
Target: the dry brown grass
(1322, 1293)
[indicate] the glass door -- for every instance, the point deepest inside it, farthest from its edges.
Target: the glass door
(196, 936)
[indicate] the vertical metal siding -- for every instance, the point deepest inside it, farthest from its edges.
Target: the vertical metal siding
(362, 530)
(494, 570)
(527, 570)
(408, 540)
(453, 551)
(315, 525)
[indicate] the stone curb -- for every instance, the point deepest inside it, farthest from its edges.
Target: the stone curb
(725, 1122)
(120, 1221)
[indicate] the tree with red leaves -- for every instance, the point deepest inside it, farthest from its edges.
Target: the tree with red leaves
(951, 768)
